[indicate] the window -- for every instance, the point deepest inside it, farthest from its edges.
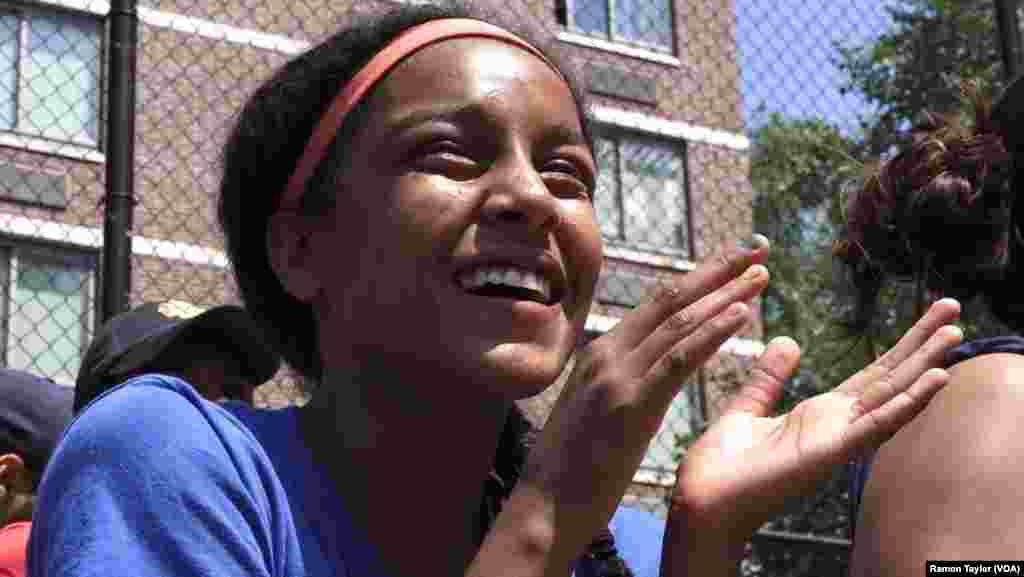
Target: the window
(624, 286)
(641, 194)
(50, 74)
(47, 309)
(646, 23)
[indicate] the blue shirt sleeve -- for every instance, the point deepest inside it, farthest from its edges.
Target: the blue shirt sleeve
(153, 480)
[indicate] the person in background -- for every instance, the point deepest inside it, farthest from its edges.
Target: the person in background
(33, 414)
(221, 351)
(944, 212)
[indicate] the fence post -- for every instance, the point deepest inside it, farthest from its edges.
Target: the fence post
(120, 157)
(1009, 36)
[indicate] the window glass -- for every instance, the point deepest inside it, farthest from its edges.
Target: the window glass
(48, 315)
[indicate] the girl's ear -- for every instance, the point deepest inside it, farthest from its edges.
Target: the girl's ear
(290, 251)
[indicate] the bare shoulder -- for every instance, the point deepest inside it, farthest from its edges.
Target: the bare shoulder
(991, 374)
(977, 412)
(951, 483)
(979, 396)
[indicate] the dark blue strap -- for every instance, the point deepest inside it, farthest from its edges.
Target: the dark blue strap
(971, 349)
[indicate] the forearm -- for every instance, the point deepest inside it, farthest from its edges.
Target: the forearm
(522, 542)
(701, 546)
(533, 537)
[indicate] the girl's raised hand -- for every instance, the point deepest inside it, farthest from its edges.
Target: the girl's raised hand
(739, 473)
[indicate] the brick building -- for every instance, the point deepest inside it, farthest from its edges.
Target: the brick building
(663, 76)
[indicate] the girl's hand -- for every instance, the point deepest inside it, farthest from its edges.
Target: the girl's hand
(740, 472)
(614, 402)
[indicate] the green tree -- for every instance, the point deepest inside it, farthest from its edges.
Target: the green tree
(799, 169)
(920, 62)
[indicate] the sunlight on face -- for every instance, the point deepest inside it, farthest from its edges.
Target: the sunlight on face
(471, 163)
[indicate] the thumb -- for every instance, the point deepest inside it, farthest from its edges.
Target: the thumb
(776, 364)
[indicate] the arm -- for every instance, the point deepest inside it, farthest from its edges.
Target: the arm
(610, 407)
(151, 481)
(951, 484)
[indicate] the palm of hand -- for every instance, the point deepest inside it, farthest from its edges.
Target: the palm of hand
(773, 457)
(748, 463)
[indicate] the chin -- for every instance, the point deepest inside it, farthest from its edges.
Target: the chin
(517, 371)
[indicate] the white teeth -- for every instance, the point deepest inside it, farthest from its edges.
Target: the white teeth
(506, 276)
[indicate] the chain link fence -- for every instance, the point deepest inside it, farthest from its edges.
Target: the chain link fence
(681, 90)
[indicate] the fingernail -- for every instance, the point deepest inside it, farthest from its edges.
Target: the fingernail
(736, 309)
(755, 242)
(754, 272)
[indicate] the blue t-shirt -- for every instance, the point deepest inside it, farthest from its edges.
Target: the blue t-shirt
(860, 470)
(154, 480)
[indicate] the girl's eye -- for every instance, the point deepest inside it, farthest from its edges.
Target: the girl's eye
(446, 158)
(564, 166)
(566, 179)
(442, 147)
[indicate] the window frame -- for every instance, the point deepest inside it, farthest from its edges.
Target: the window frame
(616, 134)
(12, 252)
(609, 35)
(24, 13)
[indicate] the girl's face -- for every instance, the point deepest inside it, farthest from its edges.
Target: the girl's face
(463, 246)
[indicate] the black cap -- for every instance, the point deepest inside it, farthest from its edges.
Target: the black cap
(33, 414)
(135, 339)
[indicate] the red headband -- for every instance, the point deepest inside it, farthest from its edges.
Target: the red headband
(402, 46)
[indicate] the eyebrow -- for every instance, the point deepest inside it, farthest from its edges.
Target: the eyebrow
(473, 111)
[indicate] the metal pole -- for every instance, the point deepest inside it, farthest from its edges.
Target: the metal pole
(120, 174)
(1009, 36)
(788, 538)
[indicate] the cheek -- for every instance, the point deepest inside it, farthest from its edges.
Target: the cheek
(389, 238)
(425, 207)
(582, 244)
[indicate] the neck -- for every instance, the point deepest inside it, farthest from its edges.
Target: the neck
(408, 447)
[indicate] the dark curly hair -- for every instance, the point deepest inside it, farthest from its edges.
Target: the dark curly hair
(942, 212)
(262, 150)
